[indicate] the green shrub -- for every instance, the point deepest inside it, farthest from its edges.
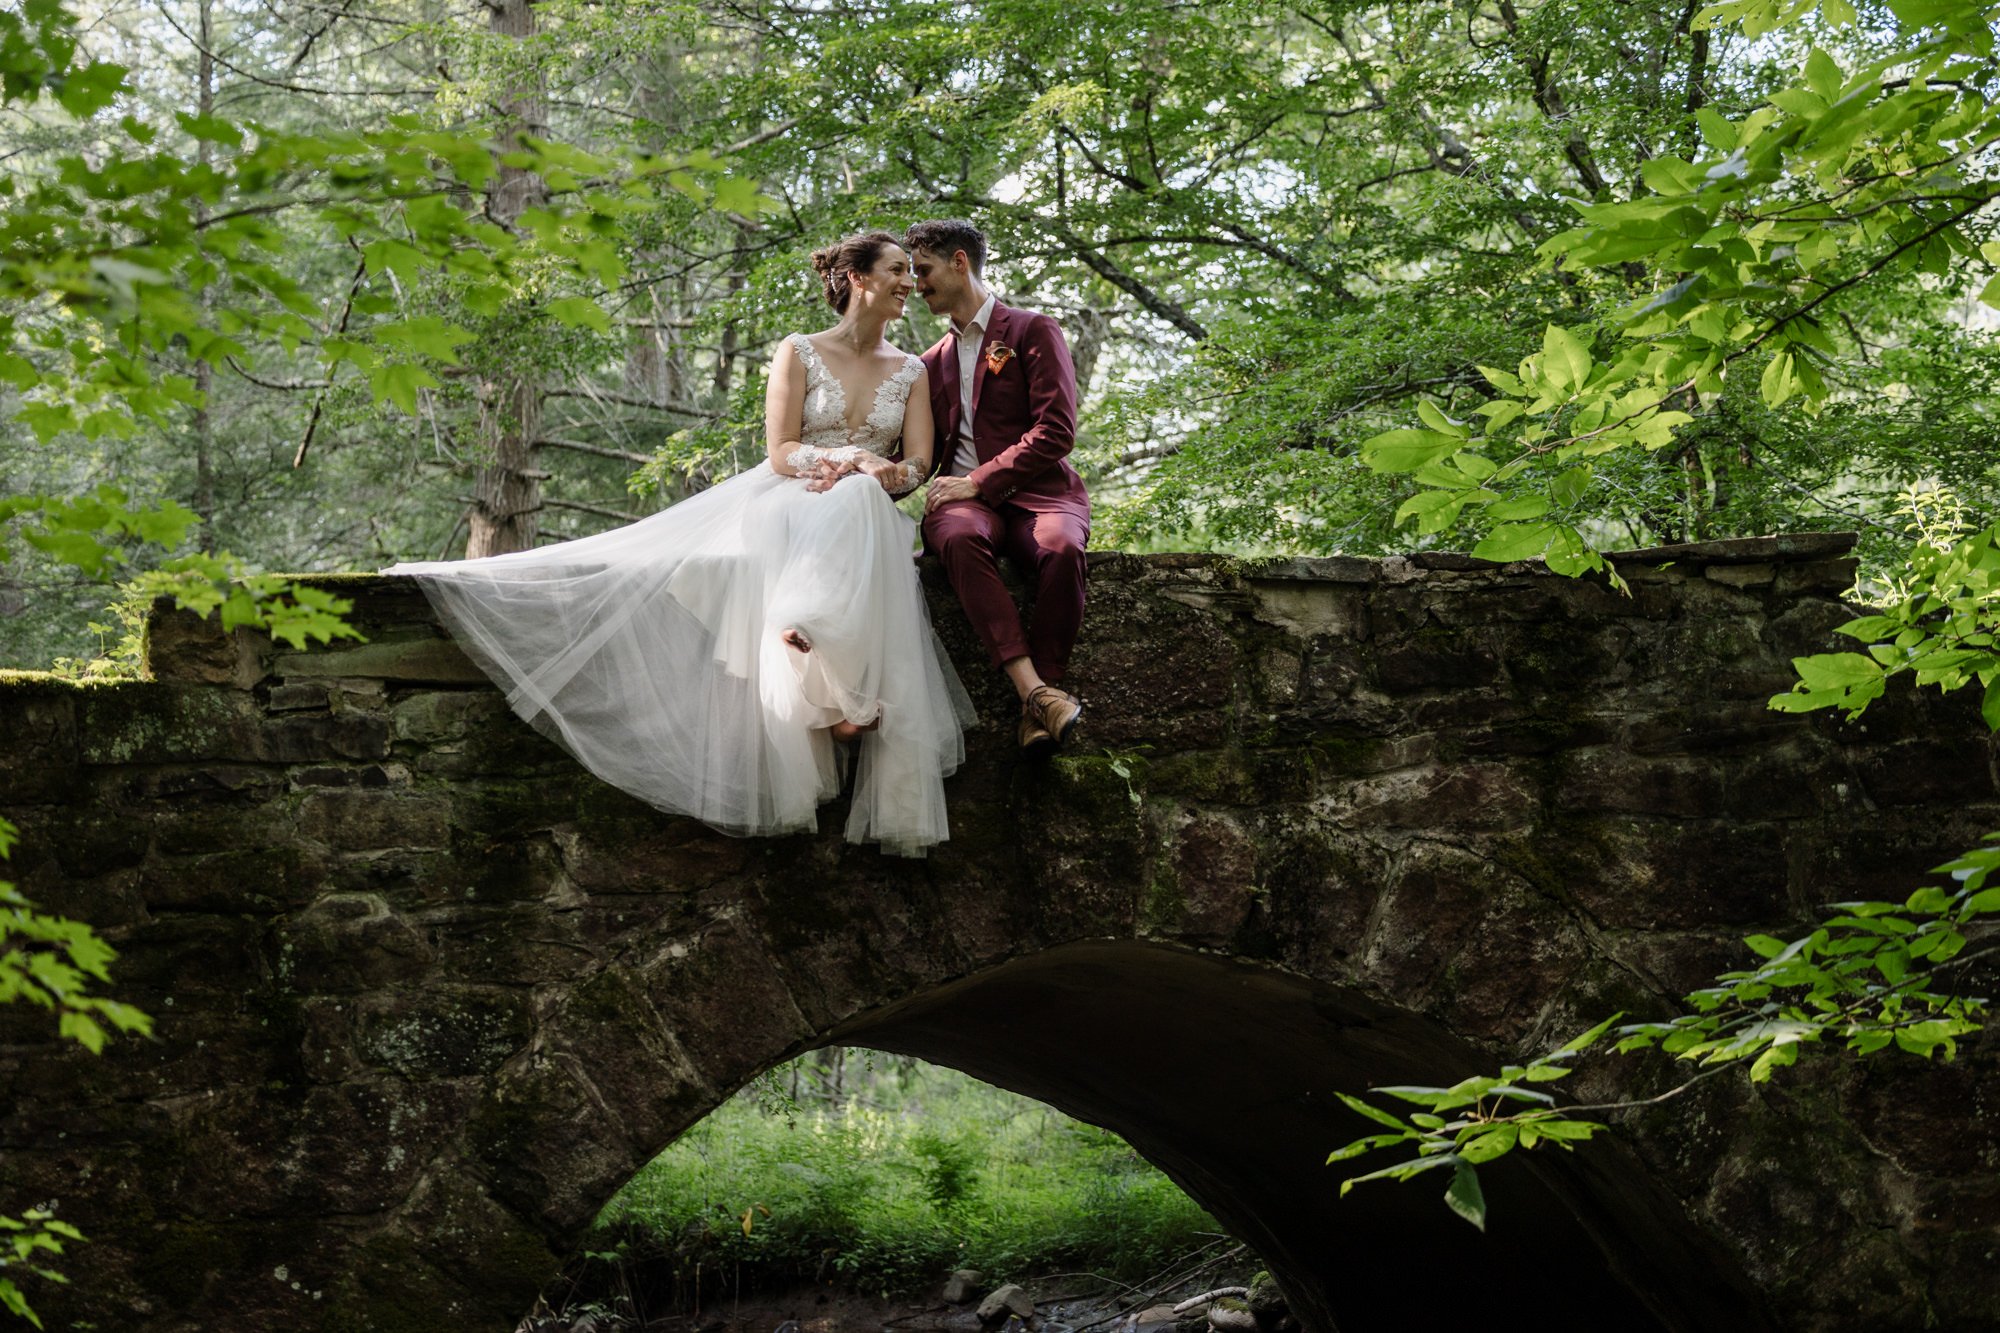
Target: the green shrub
(915, 1172)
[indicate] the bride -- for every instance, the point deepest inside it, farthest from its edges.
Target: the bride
(708, 659)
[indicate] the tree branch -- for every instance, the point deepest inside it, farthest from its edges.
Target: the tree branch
(632, 400)
(578, 446)
(1131, 286)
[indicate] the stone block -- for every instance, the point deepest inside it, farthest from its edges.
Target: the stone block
(1312, 609)
(1003, 1301)
(1454, 796)
(1652, 874)
(182, 647)
(292, 695)
(348, 1148)
(1611, 779)
(371, 777)
(648, 853)
(1459, 933)
(1827, 578)
(551, 1147)
(432, 715)
(276, 878)
(1925, 770)
(1434, 660)
(347, 942)
(1742, 576)
(441, 1031)
(721, 994)
(429, 659)
(352, 820)
(1212, 889)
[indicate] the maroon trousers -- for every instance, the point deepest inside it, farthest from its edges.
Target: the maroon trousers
(1047, 548)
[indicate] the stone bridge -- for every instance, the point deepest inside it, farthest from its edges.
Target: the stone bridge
(427, 994)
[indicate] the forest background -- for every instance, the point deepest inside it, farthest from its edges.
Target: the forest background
(330, 283)
(273, 296)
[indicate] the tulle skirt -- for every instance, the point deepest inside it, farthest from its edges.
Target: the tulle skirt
(653, 654)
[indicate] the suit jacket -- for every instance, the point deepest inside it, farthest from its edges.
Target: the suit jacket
(1023, 413)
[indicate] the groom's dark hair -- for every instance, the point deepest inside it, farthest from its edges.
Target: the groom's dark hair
(944, 237)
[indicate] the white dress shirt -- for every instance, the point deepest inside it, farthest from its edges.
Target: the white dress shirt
(969, 338)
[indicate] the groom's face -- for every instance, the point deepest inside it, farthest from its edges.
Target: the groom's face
(940, 281)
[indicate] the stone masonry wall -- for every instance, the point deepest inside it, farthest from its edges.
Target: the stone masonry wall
(427, 994)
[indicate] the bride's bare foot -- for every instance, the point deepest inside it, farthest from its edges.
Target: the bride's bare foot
(797, 640)
(844, 731)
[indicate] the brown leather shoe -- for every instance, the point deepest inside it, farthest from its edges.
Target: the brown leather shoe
(1032, 735)
(1055, 710)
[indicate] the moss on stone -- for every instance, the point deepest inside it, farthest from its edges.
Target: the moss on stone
(178, 1259)
(609, 999)
(11, 678)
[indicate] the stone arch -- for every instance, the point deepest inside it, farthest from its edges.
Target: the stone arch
(1106, 1030)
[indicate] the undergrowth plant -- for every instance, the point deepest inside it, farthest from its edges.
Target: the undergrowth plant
(926, 1171)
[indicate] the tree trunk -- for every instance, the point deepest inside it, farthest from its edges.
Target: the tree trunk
(204, 373)
(507, 495)
(1088, 329)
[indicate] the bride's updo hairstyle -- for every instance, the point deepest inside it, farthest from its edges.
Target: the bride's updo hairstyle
(837, 263)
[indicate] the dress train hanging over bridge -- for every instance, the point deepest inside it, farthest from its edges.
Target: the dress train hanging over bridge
(653, 652)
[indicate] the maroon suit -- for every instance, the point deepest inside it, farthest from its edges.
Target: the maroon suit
(1033, 508)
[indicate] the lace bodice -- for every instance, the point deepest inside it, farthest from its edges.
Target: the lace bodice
(825, 424)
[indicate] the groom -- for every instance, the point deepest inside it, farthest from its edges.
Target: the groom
(1003, 395)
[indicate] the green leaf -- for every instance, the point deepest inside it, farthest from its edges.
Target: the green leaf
(1837, 671)
(1775, 1057)
(212, 129)
(1407, 450)
(398, 383)
(580, 311)
(88, 89)
(1464, 1197)
(1521, 507)
(1487, 1144)
(1424, 503)
(1516, 541)
(1582, 1041)
(739, 194)
(1375, 1113)
(1565, 360)
(1574, 1130)
(1778, 382)
(426, 335)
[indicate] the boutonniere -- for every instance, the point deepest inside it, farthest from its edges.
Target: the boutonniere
(997, 357)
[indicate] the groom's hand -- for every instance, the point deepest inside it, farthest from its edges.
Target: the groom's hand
(949, 490)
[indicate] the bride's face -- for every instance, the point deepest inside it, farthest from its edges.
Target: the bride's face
(886, 286)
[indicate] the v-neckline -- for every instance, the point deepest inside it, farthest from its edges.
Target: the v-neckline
(874, 401)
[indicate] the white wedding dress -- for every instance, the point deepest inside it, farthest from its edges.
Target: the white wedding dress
(653, 652)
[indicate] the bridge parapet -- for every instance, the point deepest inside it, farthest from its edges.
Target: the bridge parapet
(427, 993)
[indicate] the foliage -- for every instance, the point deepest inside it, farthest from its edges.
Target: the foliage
(920, 1171)
(1871, 976)
(1935, 622)
(134, 270)
(1844, 179)
(51, 962)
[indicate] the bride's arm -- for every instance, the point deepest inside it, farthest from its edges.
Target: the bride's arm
(784, 407)
(918, 442)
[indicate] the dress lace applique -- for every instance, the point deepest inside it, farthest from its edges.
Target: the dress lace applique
(825, 416)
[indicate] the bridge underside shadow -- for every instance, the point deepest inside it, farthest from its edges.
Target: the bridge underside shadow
(1223, 1075)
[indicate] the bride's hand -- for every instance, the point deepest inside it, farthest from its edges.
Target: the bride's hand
(827, 472)
(881, 469)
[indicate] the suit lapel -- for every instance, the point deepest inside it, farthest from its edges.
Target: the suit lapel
(994, 329)
(944, 386)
